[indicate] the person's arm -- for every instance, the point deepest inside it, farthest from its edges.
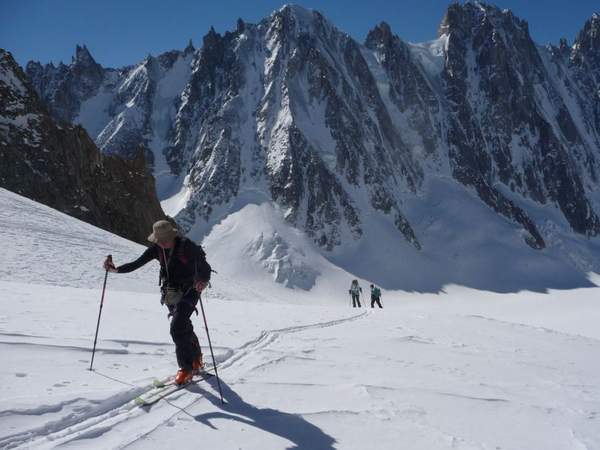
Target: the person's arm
(202, 269)
(146, 257)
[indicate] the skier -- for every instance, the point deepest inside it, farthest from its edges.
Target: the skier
(184, 274)
(355, 291)
(375, 296)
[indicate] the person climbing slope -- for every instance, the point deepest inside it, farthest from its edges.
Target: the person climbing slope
(375, 296)
(184, 274)
(355, 291)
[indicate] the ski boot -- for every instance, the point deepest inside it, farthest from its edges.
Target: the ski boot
(183, 376)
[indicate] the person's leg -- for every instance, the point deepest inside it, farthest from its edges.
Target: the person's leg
(372, 302)
(379, 302)
(196, 343)
(353, 301)
(182, 332)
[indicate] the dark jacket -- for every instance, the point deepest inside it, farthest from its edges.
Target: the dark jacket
(180, 266)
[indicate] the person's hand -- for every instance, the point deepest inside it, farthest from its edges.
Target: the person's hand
(108, 265)
(200, 285)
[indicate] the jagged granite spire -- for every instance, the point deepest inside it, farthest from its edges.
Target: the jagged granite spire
(63, 88)
(586, 48)
(82, 56)
(189, 48)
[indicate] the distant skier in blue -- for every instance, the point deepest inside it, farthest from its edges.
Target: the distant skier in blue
(375, 296)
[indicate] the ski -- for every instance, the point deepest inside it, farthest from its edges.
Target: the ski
(156, 383)
(164, 388)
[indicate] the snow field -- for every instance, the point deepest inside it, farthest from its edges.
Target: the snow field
(463, 369)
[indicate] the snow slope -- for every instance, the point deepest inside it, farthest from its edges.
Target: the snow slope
(464, 369)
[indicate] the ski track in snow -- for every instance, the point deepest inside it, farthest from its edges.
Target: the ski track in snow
(537, 328)
(267, 338)
(95, 421)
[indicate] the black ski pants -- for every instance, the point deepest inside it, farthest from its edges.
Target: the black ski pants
(187, 347)
(355, 300)
(375, 300)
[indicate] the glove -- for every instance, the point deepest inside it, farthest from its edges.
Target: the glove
(109, 266)
(200, 285)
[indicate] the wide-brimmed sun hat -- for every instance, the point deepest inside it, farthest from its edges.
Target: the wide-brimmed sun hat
(162, 231)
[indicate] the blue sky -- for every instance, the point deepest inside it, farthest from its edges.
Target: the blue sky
(122, 32)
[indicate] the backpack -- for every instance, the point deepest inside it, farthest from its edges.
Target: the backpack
(376, 292)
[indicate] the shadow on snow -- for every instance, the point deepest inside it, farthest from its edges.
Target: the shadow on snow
(292, 427)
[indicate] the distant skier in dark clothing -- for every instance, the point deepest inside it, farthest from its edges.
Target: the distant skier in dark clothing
(375, 296)
(355, 291)
(184, 273)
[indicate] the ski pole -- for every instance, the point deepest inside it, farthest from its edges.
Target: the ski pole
(109, 258)
(211, 349)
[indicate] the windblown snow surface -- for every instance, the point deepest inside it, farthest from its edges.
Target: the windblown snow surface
(463, 369)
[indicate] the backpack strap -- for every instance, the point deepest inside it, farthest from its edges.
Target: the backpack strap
(182, 245)
(164, 263)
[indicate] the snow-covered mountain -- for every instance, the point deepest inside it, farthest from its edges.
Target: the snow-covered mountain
(61, 166)
(395, 159)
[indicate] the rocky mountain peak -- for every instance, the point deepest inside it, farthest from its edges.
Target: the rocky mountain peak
(471, 17)
(241, 25)
(33, 65)
(189, 48)
(83, 57)
(211, 40)
(14, 88)
(63, 88)
(380, 35)
(587, 44)
(299, 13)
(562, 51)
(592, 28)
(37, 67)
(295, 20)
